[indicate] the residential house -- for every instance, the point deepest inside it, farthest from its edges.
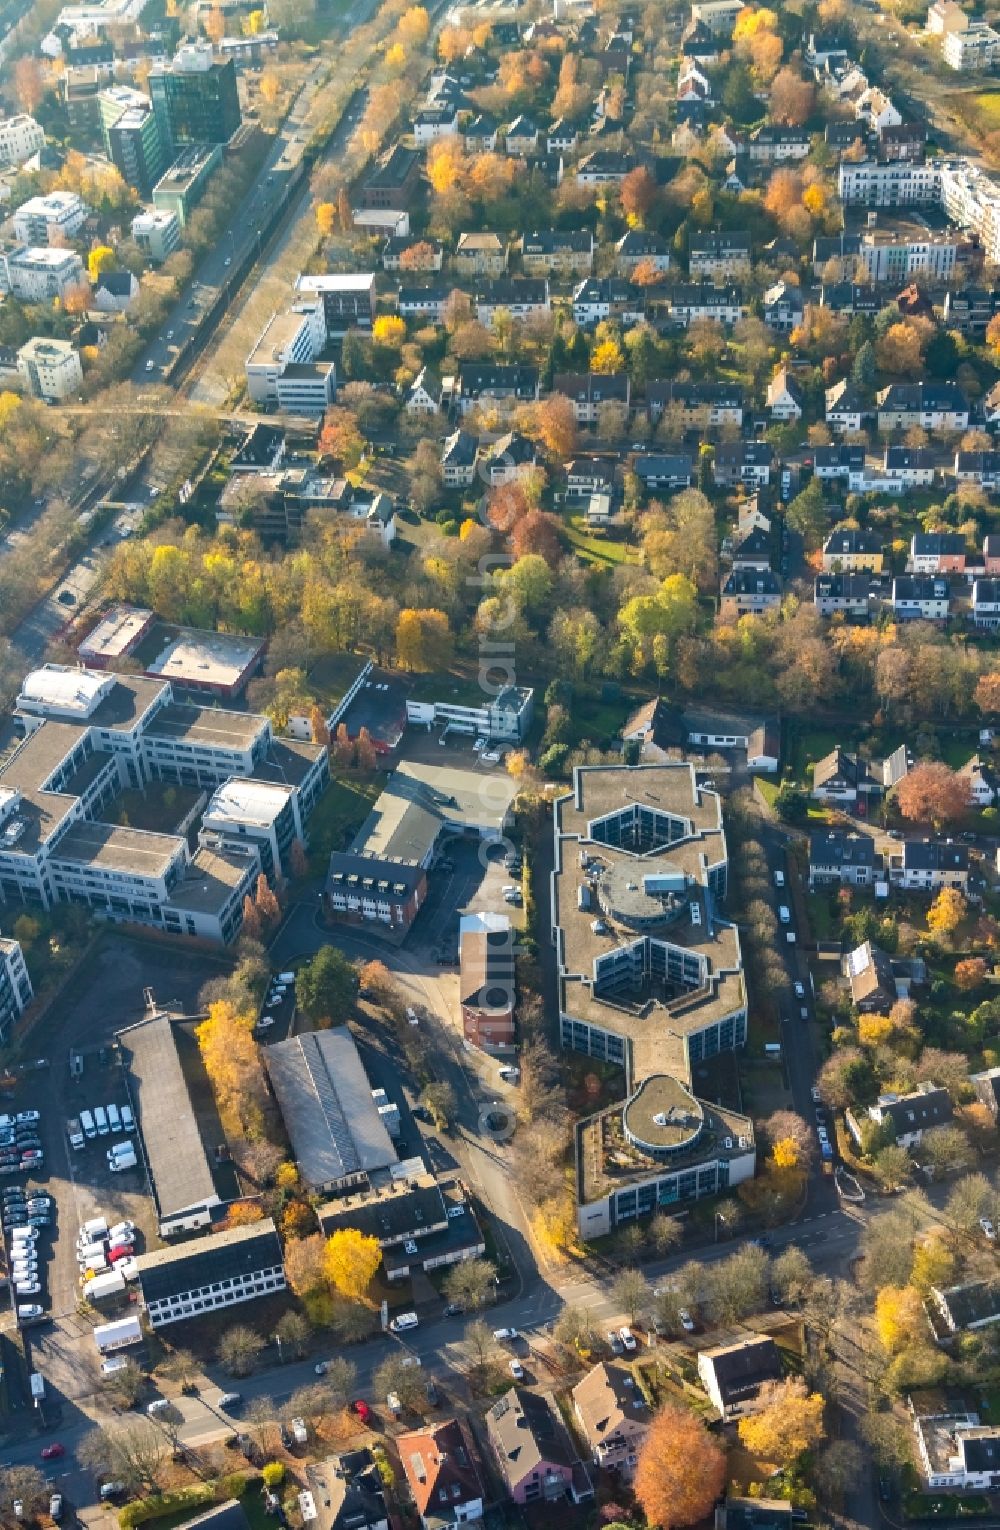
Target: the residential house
(559, 252)
(637, 247)
(733, 1374)
(480, 254)
(991, 554)
(920, 597)
(423, 302)
(497, 383)
(846, 409)
(843, 777)
(982, 469)
(433, 122)
(458, 460)
(344, 1493)
(657, 471)
(521, 136)
(908, 467)
(480, 135)
(700, 404)
(609, 297)
(982, 781)
(927, 865)
(970, 309)
(604, 167)
(752, 549)
(587, 391)
(783, 307)
(937, 552)
(853, 549)
(908, 1116)
(956, 1451)
(442, 1474)
(848, 860)
(562, 137)
(858, 595)
(934, 406)
(533, 1450)
(586, 476)
(721, 256)
(754, 1514)
(425, 393)
(611, 1411)
(852, 298)
(115, 291)
(746, 462)
(750, 590)
(698, 43)
(843, 464)
(407, 252)
(784, 397)
(872, 982)
(986, 602)
(967, 1307)
(510, 459)
(518, 296)
(776, 144)
(688, 301)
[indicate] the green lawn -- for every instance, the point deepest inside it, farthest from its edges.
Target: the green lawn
(339, 814)
(592, 547)
(944, 1505)
(807, 746)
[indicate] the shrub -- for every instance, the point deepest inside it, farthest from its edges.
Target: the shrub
(273, 1475)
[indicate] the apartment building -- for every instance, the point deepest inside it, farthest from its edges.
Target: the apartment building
(885, 257)
(37, 274)
(974, 49)
(50, 369)
(719, 255)
(52, 219)
(20, 138)
(348, 299)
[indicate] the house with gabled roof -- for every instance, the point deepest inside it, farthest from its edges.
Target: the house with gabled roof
(908, 1116)
(733, 1374)
(611, 1411)
(442, 1474)
(533, 1450)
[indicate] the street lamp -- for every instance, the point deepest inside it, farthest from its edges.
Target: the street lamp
(720, 1216)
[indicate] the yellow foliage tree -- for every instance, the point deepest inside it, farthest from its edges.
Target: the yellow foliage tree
(233, 1065)
(286, 1177)
(389, 329)
(933, 1264)
(326, 218)
(445, 165)
(786, 1153)
(814, 200)
(395, 57)
(254, 24)
(269, 87)
(788, 1423)
(100, 259)
(749, 22)
(875, 1030)
(350, 1261)
(899, 1317)
(414, 25)
(607, 357)
(946, 912)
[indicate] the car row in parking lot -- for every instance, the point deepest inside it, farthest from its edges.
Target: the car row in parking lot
(20, 1144)
(27, 1215)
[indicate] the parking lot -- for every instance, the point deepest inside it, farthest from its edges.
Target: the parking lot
(107, 995)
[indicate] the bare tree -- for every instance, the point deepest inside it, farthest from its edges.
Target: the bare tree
(471, 1284)
(25, 1483)
(405, 1380)
(261, 1424)
(632, 1293)
(135, 1454)
(482, 1346)
(294, 1331)
(238, 1350)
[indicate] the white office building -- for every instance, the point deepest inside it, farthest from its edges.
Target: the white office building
(90, 736)
(52, 219)
(289, 342)
(50, 369)
(15, 986)
(157, 232)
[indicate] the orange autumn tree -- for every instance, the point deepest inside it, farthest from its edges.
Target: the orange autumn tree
(681, 1470)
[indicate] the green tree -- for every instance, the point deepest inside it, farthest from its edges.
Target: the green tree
(806, 514)
(326, 987)
(863, 370)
